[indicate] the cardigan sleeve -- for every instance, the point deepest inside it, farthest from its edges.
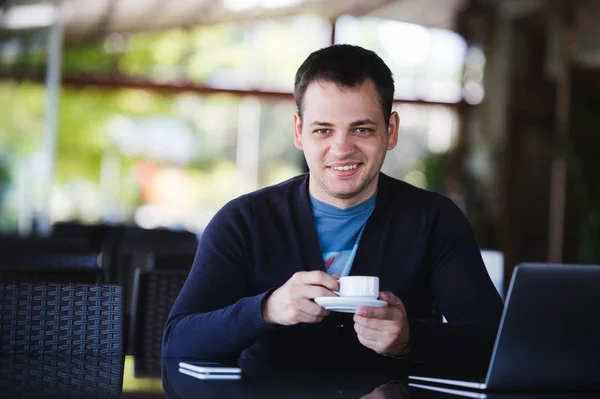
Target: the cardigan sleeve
(213, 317)
(462, 290)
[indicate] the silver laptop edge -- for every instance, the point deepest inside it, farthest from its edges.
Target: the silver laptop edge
(472, 384)
(500, 327)
(466, 384)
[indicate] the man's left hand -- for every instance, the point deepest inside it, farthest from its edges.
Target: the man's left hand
(385, 330)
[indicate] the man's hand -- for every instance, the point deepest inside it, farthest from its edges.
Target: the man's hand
(385, 330)
(293, 302)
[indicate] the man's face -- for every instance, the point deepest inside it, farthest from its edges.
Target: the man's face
(344, 138)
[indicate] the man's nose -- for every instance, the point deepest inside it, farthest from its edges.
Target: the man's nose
(342, 144)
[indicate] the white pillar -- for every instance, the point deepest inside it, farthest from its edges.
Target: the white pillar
(110, 186)
(48, 152)
(247, 148)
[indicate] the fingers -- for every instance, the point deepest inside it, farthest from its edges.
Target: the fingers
(299, 290)
(315, 291)
(369, 343)
(372, 325)
(375, 324)
(364, 338)
(384, 330)
(390, 341)
(366, 332)
(297, 316)
(390, 298)
(377, 332)
(293, 302)
(311, 308)
(307, 311)
(387, 313)
(318, 277)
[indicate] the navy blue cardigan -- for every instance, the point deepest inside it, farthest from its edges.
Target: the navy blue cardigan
(418, 242)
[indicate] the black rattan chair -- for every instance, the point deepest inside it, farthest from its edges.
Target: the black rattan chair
(55, 375)
(154, 293)
(70, 319)
(61, 338)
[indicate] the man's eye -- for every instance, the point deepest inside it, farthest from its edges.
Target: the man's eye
(322, 131)
(363, 130)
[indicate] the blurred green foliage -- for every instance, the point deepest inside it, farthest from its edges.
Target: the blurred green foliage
(435, 171)
(21, 117)
(86, 58)
(192, 54)
(83, 115)
(4, 177)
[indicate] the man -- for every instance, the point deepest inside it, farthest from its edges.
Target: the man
(265, 256)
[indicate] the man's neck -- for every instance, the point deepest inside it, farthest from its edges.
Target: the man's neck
(342, 203)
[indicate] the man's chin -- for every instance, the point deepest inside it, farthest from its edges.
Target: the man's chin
(345, 193)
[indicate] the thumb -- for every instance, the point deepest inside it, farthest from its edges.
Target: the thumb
(390, 298)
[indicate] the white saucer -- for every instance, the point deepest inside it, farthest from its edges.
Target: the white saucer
(348, 304)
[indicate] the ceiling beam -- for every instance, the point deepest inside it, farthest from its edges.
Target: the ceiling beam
(171, 88)
(114, 82)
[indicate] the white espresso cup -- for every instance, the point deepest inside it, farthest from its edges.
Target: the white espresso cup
(359, 286)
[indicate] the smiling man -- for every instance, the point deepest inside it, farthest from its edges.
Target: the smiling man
(267, 255)
(344, 136)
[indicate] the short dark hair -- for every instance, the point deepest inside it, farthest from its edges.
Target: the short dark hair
(347, 66)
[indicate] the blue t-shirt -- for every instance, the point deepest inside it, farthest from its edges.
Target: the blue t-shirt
(339, 232)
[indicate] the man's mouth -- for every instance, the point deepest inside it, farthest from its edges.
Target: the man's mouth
(345, 167)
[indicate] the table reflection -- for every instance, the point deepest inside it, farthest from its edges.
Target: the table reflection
(264, 381)
(59, 375)
(92, 376)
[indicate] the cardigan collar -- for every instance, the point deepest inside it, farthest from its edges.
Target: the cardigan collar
(370, 249)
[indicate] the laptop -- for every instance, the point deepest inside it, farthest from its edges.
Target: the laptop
(549, 334)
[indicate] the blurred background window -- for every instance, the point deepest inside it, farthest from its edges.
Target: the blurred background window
(162, 128)
(427, 63)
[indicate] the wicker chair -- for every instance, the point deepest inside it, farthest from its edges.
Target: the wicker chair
(61, 338)
(61, 318)
(154, 293)
(55, 375)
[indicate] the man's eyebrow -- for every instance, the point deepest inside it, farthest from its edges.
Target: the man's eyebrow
(319, 123)
(363, 122)
(360, 122)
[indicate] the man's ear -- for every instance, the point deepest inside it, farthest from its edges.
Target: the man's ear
(298, 131)
(393, 127)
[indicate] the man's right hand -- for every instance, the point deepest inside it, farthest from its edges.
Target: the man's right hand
(292, 303)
